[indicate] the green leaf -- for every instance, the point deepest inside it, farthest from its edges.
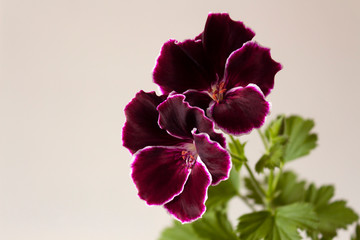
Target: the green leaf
(281, 225)
(274, 136)
(319, 197)
(294, 134)
(332, 215)
(180, 231)
(289, 189)
(299, 139)
(301, 214)
(252, 193)
(254, 226)
(275, 130)
(271, 159)
(214, 225)
(237, 151)
(220, 194)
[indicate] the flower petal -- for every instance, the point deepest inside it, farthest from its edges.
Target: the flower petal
(251, 64)
(182, 66)
(141, 128)
(216, 158)
(179, 119)
(190, 204)
(199, 99)
(221, 37)
(159, 174)
(241, 110)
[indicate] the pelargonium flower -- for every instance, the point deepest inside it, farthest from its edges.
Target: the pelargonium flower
(221, 71)
(177, 153)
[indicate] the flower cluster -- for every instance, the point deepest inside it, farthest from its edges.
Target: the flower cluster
(220, 80)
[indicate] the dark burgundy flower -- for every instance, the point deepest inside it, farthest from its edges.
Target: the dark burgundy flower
(222, 72)
(177, 153)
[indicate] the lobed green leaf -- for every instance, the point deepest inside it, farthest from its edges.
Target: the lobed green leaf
(271, 159)
(334, 216)
(289, 138)
(179, 231)
(299, 139)
(331, 215)
(289, 189)
(214, 225)
(220, 194)
(281, 225)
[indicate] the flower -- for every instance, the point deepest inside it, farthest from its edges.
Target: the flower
(222, 72)
(177, 154)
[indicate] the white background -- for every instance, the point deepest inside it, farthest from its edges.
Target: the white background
(69, 67)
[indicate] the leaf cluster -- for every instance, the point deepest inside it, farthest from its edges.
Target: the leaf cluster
(296, 198)
(214, 225)
(281, 204)
(286, 139)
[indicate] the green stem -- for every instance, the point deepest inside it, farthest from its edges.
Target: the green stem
(246, 201)
(277, 177)
(272, 184)
(263, 139)
(260, 191)
(269, 194)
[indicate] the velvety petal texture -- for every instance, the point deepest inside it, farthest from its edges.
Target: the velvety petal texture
(197, 98)
(162, 132)
(190, 204)
(207, 68)
(159, 174)
(141, 128)
(182, 66)
(251, 64)
(221, 37)
(179, 119)
(216, 158)
(242, 109)
(219, 79)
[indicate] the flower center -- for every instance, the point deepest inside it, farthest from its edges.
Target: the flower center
(189, 158)
(217, 91)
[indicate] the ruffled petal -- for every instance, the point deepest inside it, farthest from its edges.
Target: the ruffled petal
(216, 158)
(251, 64)
(179, 119)
(221, 37)
(241, 110)
(199, 99)
(159, 174)
(190, 204)
(141, 128)
(182, 66)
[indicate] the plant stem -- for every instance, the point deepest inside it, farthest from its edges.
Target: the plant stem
(277, 177)
(263, 139)
(246, 201)
(272, 184)
(269, 194)
(260, 191)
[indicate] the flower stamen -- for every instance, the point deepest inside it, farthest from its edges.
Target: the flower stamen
(217, 91)
(188, 158)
